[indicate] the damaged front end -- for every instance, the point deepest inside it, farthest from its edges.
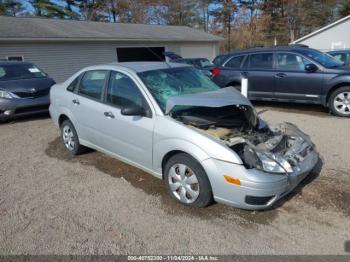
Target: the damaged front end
(230, 118)
(277, 151)
(280, 150)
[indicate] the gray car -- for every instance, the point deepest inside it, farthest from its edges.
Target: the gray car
(24, 89)
(171, 121)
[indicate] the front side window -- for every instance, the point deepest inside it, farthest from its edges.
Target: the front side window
(122, 91)
(91, 84)
(291, 62)
(235, 62)
(20, 71)
(343, 57)
(324, 59)
(165, 83)
(261, 61)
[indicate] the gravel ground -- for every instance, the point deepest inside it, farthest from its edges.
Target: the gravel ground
(51, 203)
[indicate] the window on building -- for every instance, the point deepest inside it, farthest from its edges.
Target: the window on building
(15, 58)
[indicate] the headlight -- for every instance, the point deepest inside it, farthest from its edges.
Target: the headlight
(267, 162)
(274, 164)
(5, 94)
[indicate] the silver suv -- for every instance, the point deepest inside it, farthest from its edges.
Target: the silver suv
(171, 121)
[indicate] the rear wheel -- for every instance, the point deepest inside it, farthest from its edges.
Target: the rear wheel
(187, 181)
(70, 138)
(339, 101)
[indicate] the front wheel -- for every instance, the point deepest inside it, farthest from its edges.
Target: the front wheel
(187, 181)
(339, 102)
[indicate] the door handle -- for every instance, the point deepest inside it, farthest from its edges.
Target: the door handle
(76, 101)
(280, 75)
(244, 74)
(108, 114)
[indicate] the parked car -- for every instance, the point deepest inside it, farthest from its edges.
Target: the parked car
(173, 122)
(24, 89)
(289, 74)
(342, 55)
(203, 64)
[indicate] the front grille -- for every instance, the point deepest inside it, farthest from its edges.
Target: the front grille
(36, 94)
(31, 109)
(258, 201)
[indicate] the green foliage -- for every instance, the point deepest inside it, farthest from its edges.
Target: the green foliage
(344, 9)
(48, 8)
(10, 7)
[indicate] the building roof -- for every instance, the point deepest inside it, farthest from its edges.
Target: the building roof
(44, 29)
(322, 29)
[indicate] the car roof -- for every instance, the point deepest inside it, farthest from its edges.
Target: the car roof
(339, 51)
(148, 66)
(5, 63)
(269, 49)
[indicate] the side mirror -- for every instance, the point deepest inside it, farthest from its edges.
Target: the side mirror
(133, 110)
(311, 68)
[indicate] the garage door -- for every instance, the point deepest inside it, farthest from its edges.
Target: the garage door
(131, 54)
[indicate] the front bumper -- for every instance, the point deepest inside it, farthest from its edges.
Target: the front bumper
(258, 189)
(16, 107)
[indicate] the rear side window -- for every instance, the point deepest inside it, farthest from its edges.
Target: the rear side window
(91, 84)
(73, 84)
(235, 62)
(19, 71)
(261, 61)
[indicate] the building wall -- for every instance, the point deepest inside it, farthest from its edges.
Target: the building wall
(337, 37)
(61, 60)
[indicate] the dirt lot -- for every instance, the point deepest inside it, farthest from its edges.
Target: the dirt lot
(51, 203)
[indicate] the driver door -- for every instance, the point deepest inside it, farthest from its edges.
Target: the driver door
(129, 137)
(293, 82)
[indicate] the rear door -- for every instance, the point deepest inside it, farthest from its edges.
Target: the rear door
(259, 70)
(86, 105)
(293, 83)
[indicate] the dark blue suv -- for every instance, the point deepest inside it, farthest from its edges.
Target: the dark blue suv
(288, 74)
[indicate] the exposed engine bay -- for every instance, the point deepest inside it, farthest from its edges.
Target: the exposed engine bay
(238, 126)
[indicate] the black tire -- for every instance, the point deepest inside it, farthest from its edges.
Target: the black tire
(333, 99)
(205, 196)
(77, 149)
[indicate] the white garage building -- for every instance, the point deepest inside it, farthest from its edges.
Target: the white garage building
(334, 36)
(62, 47)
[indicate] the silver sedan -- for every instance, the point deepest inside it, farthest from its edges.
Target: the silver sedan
(206, 143)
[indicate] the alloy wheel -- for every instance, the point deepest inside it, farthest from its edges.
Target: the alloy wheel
(342, 103)
(183, 183)
(68, 137)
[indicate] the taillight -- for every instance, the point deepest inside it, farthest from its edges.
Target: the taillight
(215, 72)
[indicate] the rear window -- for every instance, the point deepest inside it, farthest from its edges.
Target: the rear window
(19, 71)
(234, 62)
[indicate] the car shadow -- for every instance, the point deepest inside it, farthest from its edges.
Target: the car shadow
(298, 190)
(308, 109)
(28, 118)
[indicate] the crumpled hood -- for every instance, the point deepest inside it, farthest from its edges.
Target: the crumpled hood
(219, 98)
